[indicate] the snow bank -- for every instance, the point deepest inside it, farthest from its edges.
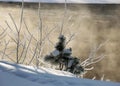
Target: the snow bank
(20, 75)
(69, 1)
(7, 79)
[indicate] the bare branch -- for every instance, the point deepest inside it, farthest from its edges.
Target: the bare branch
(8, 56)
(12, 39)
(91, 68)
(70, 39)
(3, 33)
(48, 34)
(51, 42)
(28, 30)
(33, 54)
(3, 36)
(4, 30)
(92, 57)
(14, 23)
(21, 17)
(40, 22)
(64, 16)
(8, 25)
(24, 46)
(27, 49)
(4, 51)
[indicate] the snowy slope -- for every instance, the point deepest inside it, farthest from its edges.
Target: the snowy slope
(7, 79)
(20, 75)
(69, 1)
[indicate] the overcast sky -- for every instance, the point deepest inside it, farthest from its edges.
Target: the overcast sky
(69, 1)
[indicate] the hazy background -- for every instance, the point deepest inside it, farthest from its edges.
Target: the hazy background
(93, 24)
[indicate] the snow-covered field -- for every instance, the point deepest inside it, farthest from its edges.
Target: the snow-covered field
(69, 1)
(21, 75)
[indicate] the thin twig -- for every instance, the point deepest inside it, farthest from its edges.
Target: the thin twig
(28, 30)
(21, 17)
(3, 36)
(70, 39)
(64, 16)
(24, 46)
(9, 57)
(8, 25)
(33, 54)
(6, 45)
(27, 49)
(4, 30)
(14, 22)
(12, 38)
(40, 22)
(18, 38)
(92, 57)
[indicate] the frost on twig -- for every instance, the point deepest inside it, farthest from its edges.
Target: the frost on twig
(92, 58)
(17, 33)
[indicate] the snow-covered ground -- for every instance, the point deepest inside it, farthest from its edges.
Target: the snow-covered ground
(69, 1)
(20, 75)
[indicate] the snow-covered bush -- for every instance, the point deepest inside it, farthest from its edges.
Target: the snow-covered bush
(62, 56)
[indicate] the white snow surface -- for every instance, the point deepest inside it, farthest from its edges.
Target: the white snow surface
(65, 51)
(55, 53)
(21, 75)
(69, 1)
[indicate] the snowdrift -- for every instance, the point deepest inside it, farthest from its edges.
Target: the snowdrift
(21, 75)
(7, 79)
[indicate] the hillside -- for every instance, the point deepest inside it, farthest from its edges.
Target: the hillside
(20, 75)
